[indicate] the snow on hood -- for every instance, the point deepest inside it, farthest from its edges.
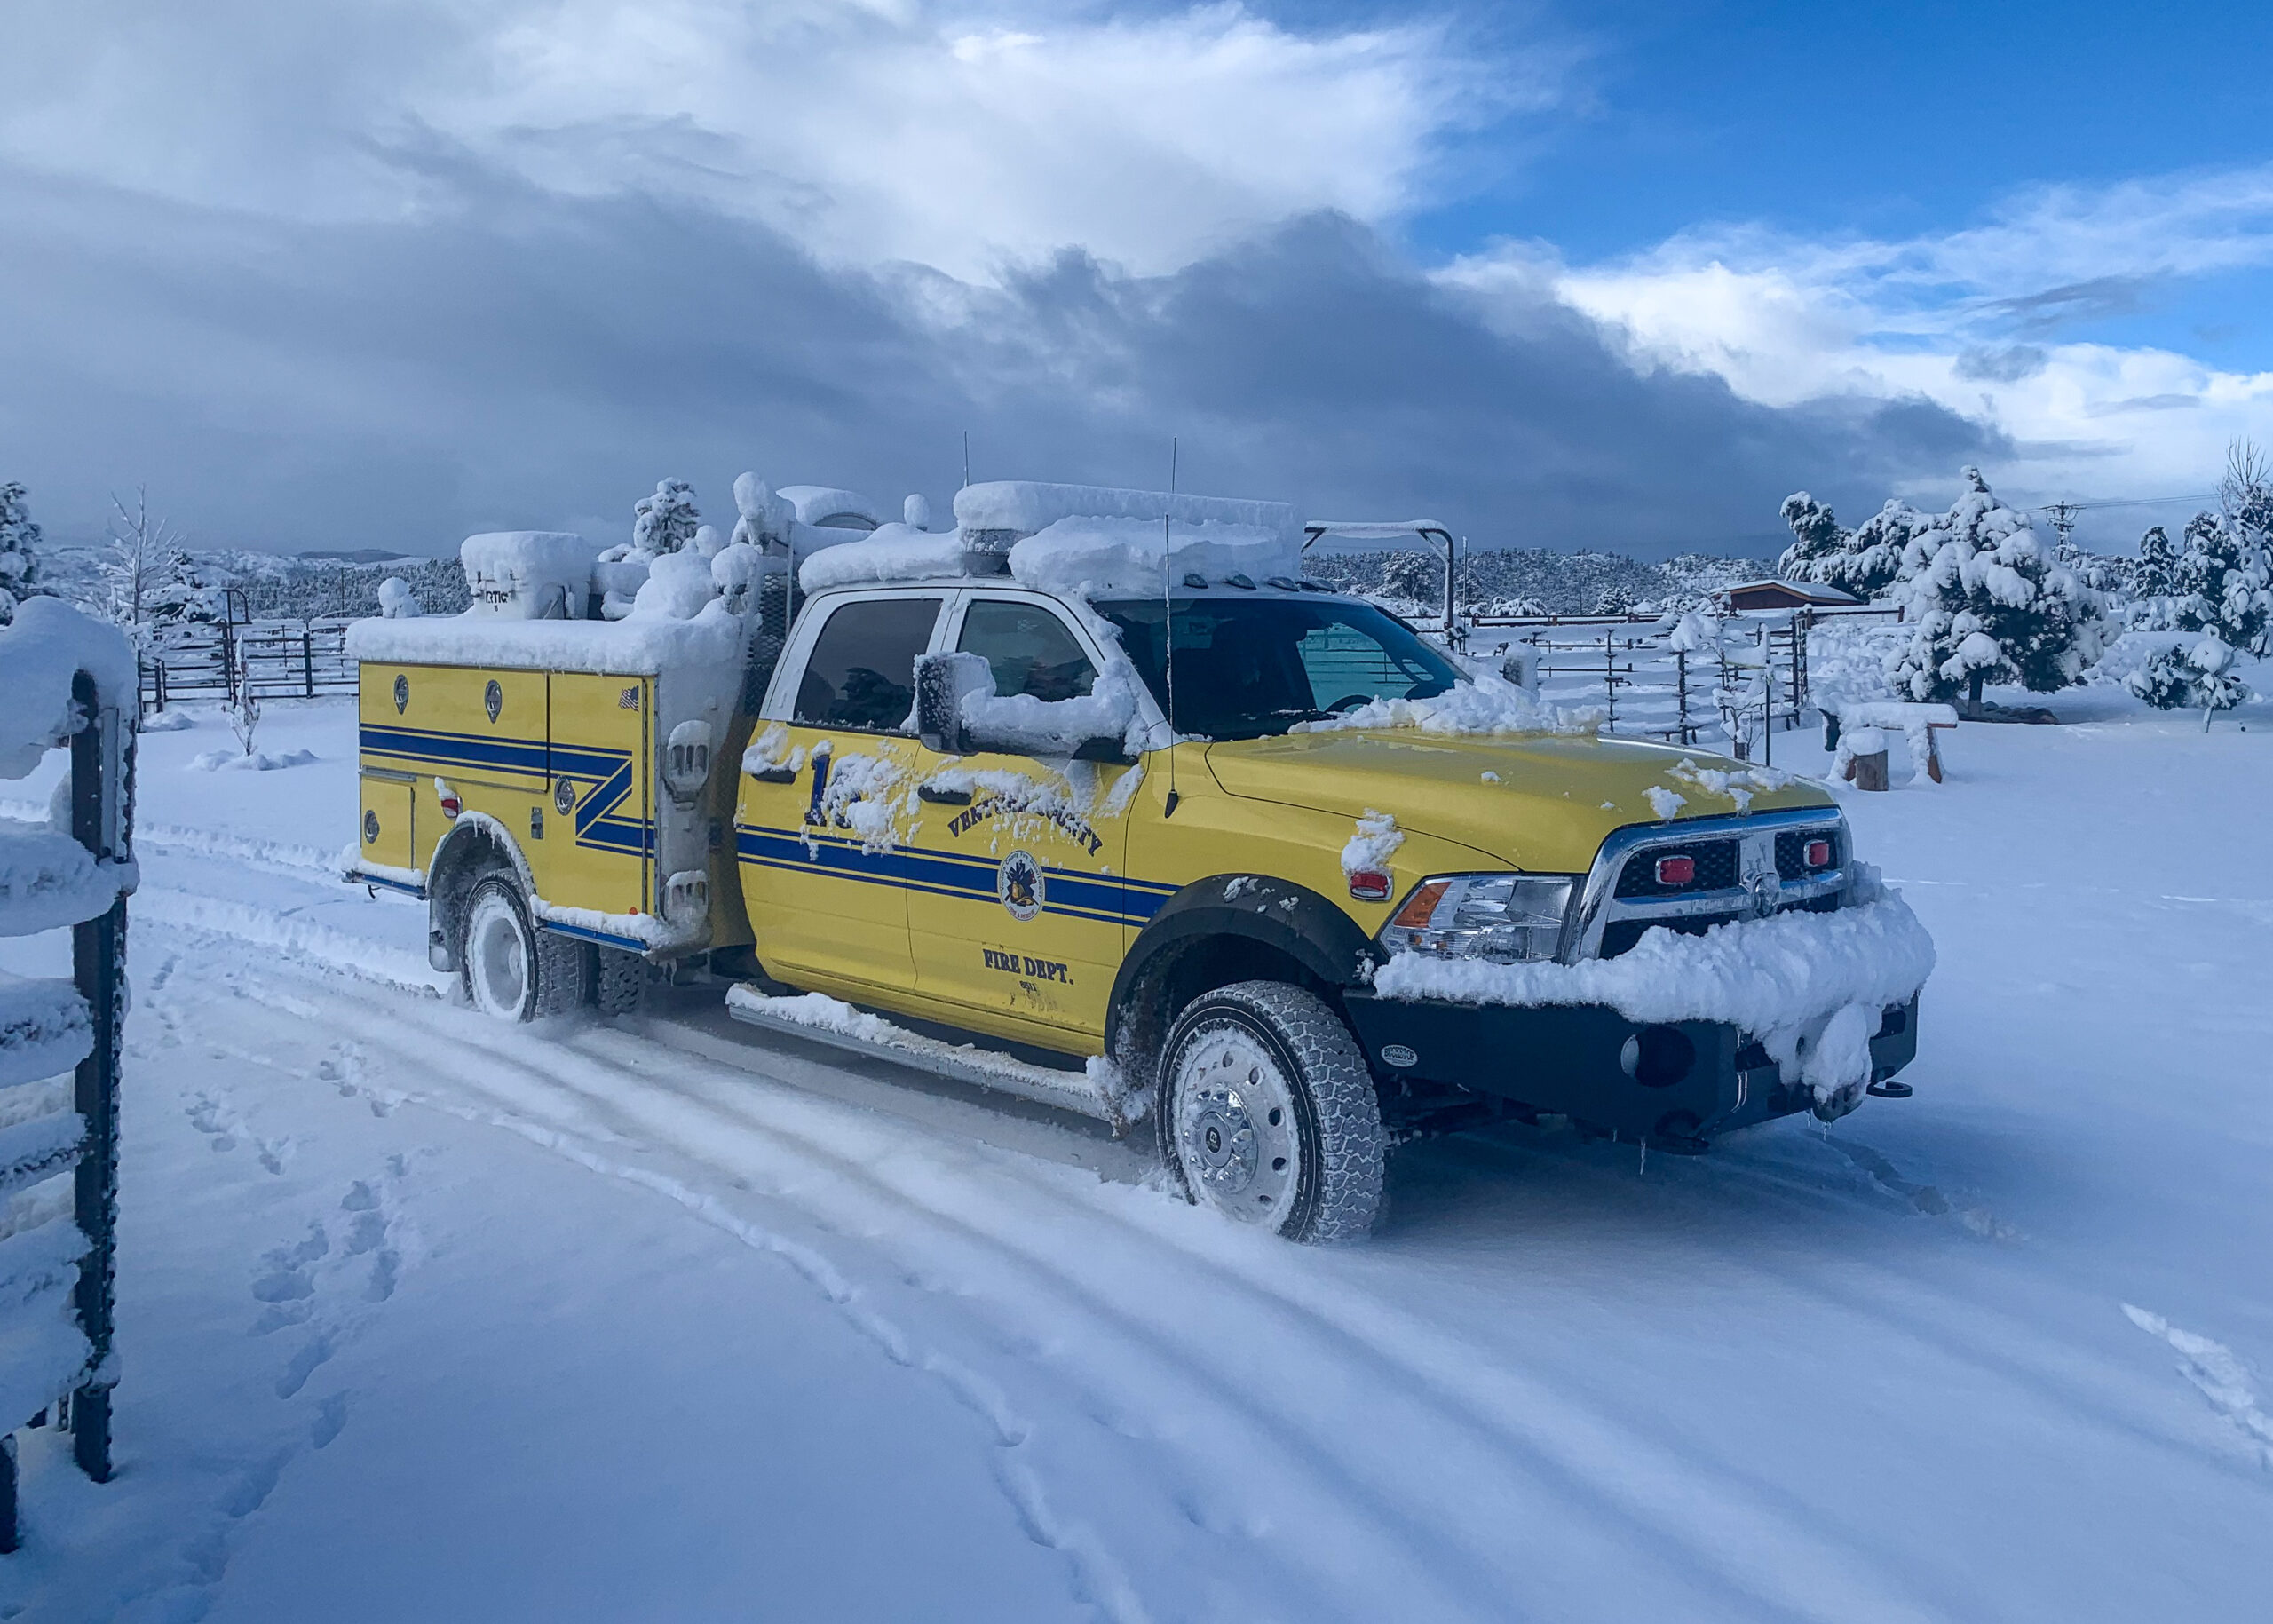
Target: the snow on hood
(1806, 985)
(1088, 556)
(1479, 708)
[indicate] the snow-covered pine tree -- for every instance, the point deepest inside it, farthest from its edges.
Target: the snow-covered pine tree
(667, 521)
(1987, 602)
(1817, 537)
(2157, 574)
(1613, 599)
(1866, 561)
(1411, 576)
(2224, 583)
(19, 553)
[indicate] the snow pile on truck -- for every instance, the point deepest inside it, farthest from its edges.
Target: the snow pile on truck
(1810, 986)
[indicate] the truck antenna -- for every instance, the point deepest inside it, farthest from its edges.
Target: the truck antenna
(1168, 635)
(966, 456)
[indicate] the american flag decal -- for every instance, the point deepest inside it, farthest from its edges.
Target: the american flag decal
(627, 699)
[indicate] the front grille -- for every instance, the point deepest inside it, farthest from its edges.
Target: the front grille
(1716, 869)
(1620, 935)
(1791, 852)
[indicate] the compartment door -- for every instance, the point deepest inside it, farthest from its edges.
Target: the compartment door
(600, 834)
(385, 831)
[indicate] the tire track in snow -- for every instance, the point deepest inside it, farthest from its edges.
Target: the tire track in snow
(1667, 1516)
(1645, 1490)
(1107, 1584)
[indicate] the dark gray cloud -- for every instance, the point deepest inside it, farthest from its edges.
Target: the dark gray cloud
(507, 356)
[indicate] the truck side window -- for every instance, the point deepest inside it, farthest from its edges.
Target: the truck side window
(1028, 649)
(861, 673)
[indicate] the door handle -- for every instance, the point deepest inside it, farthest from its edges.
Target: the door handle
(776, 775)
(943, 797)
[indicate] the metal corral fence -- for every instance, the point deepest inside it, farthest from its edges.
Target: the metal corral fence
(58, 1261)
(273, 659)
(1735, 689)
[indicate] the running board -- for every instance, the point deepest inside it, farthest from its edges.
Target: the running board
(821, 1020)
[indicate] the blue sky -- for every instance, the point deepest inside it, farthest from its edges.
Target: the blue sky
(384, 271)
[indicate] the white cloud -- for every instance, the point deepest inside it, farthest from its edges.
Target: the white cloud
(868, 131)
(1971, 320)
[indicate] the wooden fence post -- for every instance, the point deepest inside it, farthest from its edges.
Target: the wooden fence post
(101, 818)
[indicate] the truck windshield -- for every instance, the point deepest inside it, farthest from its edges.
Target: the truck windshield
(1247, 668)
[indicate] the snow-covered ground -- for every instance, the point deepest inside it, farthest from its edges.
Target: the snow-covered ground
(426, 1318)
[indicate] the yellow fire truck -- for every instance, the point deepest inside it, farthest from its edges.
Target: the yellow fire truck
(1246, 856)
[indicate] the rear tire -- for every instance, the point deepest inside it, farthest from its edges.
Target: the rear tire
(512, 971)
(621, 978)
(1267, 1113)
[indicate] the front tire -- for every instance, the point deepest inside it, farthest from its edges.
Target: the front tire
(1267, 1113)
(512, 971)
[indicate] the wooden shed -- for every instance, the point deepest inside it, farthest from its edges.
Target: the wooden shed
(1774, 594)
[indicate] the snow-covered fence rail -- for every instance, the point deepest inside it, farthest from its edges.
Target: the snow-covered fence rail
(70, 682)
(1732, 682)
(267, 662)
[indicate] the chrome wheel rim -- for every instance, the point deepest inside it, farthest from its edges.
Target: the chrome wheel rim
(499, 958)
(1235, 1130)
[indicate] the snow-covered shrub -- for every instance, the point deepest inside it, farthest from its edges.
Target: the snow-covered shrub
(19, 552)
(1987, 602)
(667, 521)
(244, 719)
(2200, 676)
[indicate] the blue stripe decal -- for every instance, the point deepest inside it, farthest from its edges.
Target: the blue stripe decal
(596, 827)
(1107, 899)
(357, 876)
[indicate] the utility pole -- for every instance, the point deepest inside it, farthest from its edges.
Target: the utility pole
(2063, 515)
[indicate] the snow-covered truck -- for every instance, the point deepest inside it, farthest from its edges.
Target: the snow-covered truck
(1154, 827)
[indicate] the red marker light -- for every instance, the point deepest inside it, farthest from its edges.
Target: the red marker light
(451, 806)
(1369, 885)
(1676, 870)
(1819, 854)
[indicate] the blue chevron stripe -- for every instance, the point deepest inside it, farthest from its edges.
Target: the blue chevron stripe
(595, 826)
(1106, 899)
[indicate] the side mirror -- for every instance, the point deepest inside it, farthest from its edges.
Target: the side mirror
(941, 682)
(958, 713)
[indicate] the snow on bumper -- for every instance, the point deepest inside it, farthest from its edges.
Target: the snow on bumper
(1811, 989)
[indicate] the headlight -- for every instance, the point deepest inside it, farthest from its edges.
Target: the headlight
(1509, 918)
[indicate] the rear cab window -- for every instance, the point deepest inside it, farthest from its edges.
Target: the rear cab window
(860, 674)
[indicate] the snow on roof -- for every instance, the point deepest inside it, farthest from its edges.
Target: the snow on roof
(818, 505)
(889, 552)
(1091, 556)
(1814, 592)
(639, 646)
(1025, 506)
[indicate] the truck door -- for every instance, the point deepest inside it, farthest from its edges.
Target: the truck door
(820, 822)
(1016, 913)
(596, 846)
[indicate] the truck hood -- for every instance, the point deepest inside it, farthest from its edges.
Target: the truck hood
(1540, 802)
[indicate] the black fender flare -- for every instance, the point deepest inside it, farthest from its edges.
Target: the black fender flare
(1292, 919)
